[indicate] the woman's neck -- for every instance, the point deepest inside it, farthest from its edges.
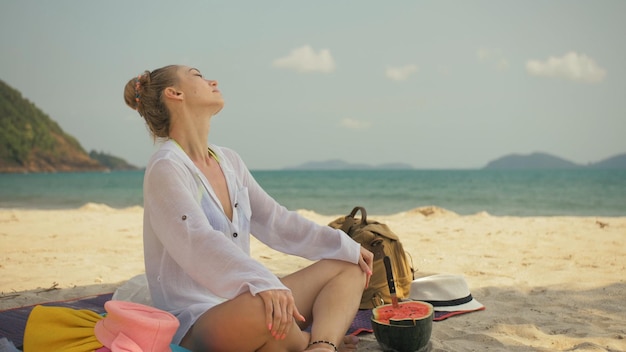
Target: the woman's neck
(193, 141)
(196, 152)
(190, 129)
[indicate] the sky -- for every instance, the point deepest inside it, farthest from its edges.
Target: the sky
(433, 84)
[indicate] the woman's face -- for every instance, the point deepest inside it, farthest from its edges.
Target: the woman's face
(198, 90)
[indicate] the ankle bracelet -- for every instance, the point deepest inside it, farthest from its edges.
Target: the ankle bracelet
(324, 341)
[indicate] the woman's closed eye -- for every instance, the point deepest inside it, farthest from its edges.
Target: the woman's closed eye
(195, 72)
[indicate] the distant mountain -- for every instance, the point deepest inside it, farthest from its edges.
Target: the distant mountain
(511, 161)
(615, 162)
(30, 141)
(532, 161)
(336, 164)
(547, 161)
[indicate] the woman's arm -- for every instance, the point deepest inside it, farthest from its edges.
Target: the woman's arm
(289, 232)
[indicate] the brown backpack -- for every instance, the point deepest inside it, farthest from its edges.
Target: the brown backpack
(380, 240)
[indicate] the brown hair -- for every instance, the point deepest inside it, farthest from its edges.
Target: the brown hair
(145, 94)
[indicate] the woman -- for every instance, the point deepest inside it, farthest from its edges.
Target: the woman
(200, 205)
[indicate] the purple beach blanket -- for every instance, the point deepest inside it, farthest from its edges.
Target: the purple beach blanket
(13, 321)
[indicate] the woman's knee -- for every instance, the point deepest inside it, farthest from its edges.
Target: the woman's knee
(349, 271)
(351, 268)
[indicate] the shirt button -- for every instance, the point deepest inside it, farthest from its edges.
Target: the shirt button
(235, 234)
(236, 204)
(184, 217)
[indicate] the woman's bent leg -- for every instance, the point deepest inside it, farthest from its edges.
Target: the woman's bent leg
(239, 325)
(328, 294)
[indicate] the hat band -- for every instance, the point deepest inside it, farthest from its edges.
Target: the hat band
(452, 302)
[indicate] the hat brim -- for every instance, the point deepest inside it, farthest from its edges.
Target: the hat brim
(469, 306)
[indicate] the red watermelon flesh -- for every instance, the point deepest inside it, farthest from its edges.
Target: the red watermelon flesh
(406, 312)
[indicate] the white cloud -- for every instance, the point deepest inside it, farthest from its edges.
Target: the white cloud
(305, 59)
(400, 73)
(493, 56)
(354, 124)
(571, 66)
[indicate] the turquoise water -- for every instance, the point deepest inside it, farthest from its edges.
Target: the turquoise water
(498, 192)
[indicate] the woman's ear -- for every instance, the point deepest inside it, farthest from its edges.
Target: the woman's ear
(173, 93)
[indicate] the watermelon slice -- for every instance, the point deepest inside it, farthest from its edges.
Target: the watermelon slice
(407, 311)
(406, 328)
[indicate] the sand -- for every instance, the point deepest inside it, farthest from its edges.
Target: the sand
(548, 283)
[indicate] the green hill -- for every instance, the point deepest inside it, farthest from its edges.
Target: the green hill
(30, 141)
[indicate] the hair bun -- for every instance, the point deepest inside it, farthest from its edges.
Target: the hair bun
(133, 89)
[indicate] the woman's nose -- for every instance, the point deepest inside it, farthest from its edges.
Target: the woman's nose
(213, 83)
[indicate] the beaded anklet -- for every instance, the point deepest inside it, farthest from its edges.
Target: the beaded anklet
(324, 341)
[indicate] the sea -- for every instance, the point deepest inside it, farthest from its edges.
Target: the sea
(580, 192)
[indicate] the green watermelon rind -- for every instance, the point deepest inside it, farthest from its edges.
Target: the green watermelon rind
(404, 335)
(403, 322)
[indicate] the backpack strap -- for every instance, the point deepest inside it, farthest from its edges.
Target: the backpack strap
(349, 220)
(363, 213)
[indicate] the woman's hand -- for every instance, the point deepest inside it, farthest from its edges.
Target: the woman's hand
(280, 309)
(366, 262)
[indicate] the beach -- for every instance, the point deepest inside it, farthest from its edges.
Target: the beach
(548, 283)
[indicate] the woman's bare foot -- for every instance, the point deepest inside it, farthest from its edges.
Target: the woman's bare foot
(349, 343)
